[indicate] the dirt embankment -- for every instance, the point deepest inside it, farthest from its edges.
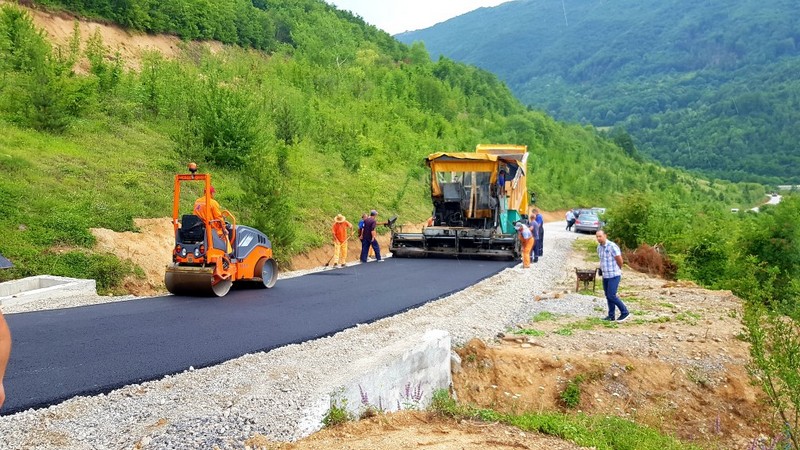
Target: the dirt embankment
(130, 45)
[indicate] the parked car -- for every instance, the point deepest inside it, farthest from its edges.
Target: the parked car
(579, 211)
(588, 222)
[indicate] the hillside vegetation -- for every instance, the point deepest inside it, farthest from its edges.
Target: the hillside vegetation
(709, 86)
(332, 122)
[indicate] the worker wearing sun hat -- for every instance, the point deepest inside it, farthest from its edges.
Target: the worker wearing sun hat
(340, 227)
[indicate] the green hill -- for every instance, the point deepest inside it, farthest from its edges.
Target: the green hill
(333, 116)
(709, 86)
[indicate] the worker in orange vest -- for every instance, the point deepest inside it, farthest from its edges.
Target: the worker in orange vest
(527, 238)
(213, 216)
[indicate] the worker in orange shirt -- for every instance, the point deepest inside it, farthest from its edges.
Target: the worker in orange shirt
(528, 239)
(212, 215)
(340, 231)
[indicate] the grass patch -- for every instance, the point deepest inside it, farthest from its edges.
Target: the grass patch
(634, 299)
(590, 323)
(543, 316)
(531, 332)
(600, 432)
(688, 317)
(588, 247)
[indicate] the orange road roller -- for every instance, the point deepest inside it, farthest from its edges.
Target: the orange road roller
(211, 252)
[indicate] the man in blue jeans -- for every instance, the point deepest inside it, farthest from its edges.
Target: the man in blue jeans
(611, 267)
(369, 237)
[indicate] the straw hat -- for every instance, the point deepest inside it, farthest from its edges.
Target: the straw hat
(339, 218)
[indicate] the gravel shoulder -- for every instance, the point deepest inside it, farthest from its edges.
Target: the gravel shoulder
(265, 394)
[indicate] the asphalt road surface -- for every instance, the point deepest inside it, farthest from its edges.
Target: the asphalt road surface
(59, 354)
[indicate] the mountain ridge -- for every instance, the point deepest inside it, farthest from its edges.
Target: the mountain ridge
(675, 74)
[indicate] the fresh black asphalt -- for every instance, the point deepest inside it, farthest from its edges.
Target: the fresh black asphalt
(59, 354)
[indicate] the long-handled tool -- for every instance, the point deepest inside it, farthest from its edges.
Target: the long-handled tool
(329, 261)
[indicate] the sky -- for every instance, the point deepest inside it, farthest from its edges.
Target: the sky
(396, 16)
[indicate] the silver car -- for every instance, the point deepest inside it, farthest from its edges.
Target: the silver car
(588, 222)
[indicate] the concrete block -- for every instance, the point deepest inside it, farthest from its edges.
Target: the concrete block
(402, 375)
(44, 287)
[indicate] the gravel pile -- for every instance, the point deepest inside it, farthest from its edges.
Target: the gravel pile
(269, 393)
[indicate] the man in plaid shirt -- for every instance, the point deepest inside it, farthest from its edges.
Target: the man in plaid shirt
(611, 267)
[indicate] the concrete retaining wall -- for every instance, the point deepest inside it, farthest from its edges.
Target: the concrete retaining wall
(44, 287)
(403, 375)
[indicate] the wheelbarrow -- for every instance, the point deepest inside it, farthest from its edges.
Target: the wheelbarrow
(585, 276)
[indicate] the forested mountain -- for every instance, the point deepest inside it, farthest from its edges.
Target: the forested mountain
(709, 85)
(318, 114)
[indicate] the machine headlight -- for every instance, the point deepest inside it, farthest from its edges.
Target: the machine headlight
(196, 253)
(183, 252)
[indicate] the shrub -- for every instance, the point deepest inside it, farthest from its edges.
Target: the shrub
(651, 260)
(226, 124)
(266, 195)
(443, 404)
(775, 350)
(337, 414)
(625, 224)
(571, 395)
(106, 269)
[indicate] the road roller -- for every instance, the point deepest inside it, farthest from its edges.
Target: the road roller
(211, 251)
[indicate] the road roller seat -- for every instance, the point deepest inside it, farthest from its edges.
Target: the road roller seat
(192, 230)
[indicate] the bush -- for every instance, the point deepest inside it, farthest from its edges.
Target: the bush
(337, 414)
(226, 125)
(706, 259)
(266, 195)
(571, 395)
(651, 260)
(443, 404)
(626, 223)
(775, 350)
(108, 270)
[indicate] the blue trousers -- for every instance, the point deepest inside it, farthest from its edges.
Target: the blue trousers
(610, 286)
(537, 248)
(365, 243)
